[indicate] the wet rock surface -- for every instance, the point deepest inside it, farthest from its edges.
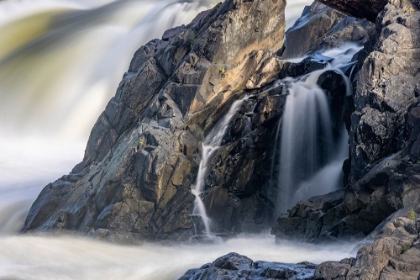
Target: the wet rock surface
(143, 153)
(383, 166)
(327, 28)
(235, 266)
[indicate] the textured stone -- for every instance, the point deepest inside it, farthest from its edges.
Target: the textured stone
(143, 153)
(235, 266)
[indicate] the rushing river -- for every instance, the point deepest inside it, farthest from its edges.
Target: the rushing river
(74, 258)
(60, 63)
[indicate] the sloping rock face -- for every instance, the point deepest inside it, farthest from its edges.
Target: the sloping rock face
(384, 163)
(394, 254)
(327, 28)
(143, 153)
(235, 266)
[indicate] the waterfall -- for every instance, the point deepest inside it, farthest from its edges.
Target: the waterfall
(209, 147)
(310, 159)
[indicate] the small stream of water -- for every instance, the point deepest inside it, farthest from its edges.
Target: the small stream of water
(210, 145)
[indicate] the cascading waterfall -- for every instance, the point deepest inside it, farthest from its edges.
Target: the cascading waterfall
(310, 159)
(209, 147)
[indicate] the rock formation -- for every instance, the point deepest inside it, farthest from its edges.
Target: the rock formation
(383, 133)
(368, 9)
(394, 254)
(143, 153)
(235, 266)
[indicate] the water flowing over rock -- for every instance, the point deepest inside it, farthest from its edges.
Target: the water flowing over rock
(210, 145)
(383, 166)
(143, 153)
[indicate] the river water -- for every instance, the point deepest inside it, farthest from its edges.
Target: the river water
(60, 63)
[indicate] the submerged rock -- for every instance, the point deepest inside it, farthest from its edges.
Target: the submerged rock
(235, 266)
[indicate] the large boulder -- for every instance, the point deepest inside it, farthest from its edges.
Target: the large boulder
(143, 153)
(235, 266)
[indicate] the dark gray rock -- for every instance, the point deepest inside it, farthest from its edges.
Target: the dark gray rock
(386, 89)
(384, 135)
(143, 153)
(314, 220)
(327, 28)
(235, 266)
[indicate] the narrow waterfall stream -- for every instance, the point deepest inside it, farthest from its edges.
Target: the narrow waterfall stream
(210, 145)
(310, 160)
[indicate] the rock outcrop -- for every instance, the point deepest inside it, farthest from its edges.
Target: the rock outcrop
(143, 153)
(394, 254)
(368, 9)
(383, 167)
(327, 28)
(235, 266)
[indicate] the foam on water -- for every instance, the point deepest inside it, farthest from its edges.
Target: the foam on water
(32, 257)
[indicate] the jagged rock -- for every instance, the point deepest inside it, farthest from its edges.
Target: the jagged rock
(384, 130)
(327, 29)
(386, 89)
(394, 254)
(368, 9)
(312, 220)
(235, 266)
(143, 153)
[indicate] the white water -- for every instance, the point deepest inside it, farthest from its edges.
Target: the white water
(65, 258)
(70, 63)
(310, 161)
(210, 145)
